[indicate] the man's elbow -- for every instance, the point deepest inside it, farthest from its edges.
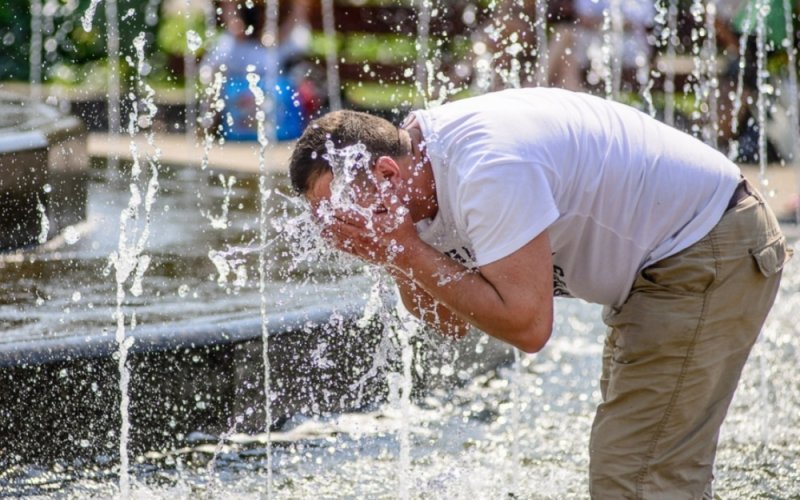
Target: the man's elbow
(533, 343)
(533, 337)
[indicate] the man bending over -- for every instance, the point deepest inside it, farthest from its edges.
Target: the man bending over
(484, 209)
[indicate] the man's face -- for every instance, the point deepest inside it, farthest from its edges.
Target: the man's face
(357, 200)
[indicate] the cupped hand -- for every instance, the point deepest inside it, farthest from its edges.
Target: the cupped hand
(381, 238)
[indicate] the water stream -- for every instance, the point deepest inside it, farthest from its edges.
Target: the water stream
(36, 50)
(762, 9)
(671, 41)
(331, 62)
(736, 102)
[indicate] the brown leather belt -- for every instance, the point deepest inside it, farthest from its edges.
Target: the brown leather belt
(742, 191)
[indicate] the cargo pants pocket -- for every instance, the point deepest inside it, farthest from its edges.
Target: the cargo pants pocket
(771, 257)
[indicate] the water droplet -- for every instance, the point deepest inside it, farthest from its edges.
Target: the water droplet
(193, 40)
(71, 235)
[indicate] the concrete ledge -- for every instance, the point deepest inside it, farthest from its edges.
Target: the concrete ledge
(158, 338)
(60, 402)
(43, 171)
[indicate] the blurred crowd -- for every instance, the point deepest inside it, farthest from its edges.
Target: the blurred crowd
(587, 41)
(592, 41)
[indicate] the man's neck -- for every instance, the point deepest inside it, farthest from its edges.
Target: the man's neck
(422, 184)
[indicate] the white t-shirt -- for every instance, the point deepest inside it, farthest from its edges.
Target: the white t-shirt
(615, 189)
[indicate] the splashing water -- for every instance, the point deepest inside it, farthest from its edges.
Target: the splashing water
(129, 259)
(347, 164)
(193, 41)
(542, 55)
(607, 54)
(414, 478)
(421, 72)
(712, 82)
(762, 8)
(407, 327)
(44, 222)
(670, 39)
(218, 450)
(331, 63)
(114, 91)
(227, 263)
(88, 16)
(794, 113)
(733, 151)
(221, 221)
(36, 50)
(263, 135)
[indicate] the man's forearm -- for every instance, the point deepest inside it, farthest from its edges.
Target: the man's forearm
(426, 308)
(468, 295)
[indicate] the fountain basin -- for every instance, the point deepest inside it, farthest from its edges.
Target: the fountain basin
(43, 167)
(61, 394)
(196, 358)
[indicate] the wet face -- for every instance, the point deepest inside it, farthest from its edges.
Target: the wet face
(361, 201)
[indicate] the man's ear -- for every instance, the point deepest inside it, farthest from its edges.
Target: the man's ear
(387, 168)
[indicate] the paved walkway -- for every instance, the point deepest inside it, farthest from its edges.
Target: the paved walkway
(176, 149)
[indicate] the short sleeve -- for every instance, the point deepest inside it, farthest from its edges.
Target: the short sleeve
(504, 206)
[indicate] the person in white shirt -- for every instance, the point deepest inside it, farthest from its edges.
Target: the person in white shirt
(483, 209)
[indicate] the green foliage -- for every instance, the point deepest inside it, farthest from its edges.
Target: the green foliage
(172, 30)
(69, 52)
(14, 40)
(362, 47)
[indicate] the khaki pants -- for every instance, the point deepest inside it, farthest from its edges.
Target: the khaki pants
(673, 356)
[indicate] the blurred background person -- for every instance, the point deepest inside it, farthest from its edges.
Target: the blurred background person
(564, 66)
(577, 46)
(506, 46)
(243, 47)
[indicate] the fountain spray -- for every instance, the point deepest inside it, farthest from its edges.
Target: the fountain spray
(671, 40)
(129, 259)
(733, 151)
(794, 113)
(112, 45)
(762, 10)
(712, 82)
(112, 41)
(331, 63)
(617, 29)
(36, 50)
(423, 41)
(193, 43)
(608, 54)
(542, 54)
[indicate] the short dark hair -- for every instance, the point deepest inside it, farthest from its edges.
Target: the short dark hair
(344, 128)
